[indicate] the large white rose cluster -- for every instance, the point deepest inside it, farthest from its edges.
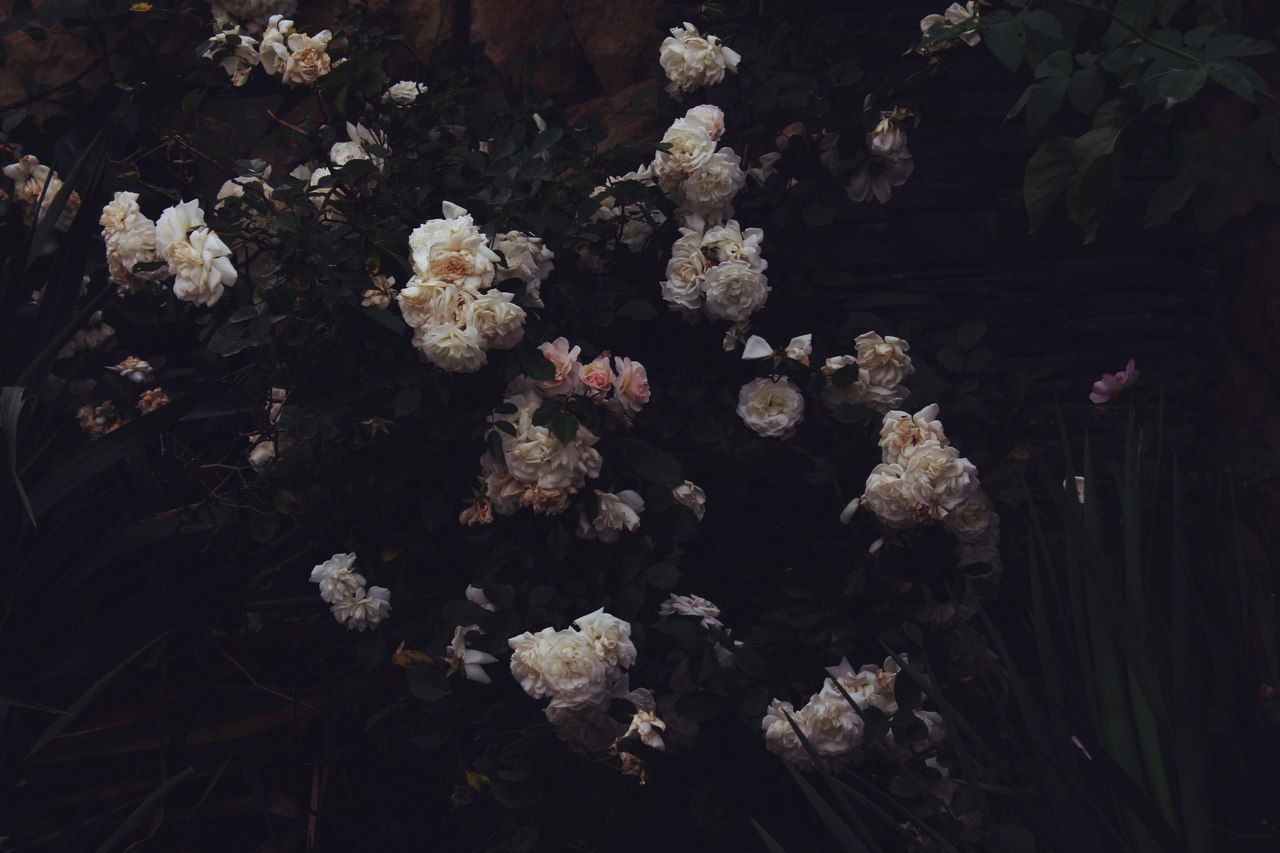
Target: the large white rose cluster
(35, 185)
(351, 602)
(718, 271)
(536, 469)
(299, 59)
(579, 669)
(196, 256)
(456, 314)
(692, 60)
(831, 725)
(701, 179)
(873, 377)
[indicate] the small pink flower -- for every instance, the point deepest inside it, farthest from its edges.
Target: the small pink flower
(565, 361)
(630, 384)
(1111, 384)
(597, 375)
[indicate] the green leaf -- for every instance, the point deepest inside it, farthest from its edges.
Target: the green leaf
(1092, 145)
(564, 426)
(1045, 99)
(1181, 84)
(1168, 199)
(1048, 173)
(1086, 88)
(1056, 64)
(1006, 39)
(1042, 21)
(1235, 77)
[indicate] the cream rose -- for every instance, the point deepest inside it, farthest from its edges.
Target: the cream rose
(939, 478)
(772, 408)
(630, 384)
(691, 59)
(734, 291)
(901, 433)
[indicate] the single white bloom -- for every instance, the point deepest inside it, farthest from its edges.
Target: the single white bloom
(887, 496)
(832, 727)
(563, 665)
(630, 384)
(468, 660)
(365, 610)
(360, 140)
(453, 249)
(617, 512)
(134, 369)
(939, 478)
(201, 267)
(691, 605)
(337, 578)
(773, 408)
(884, 358)
(734, 291)
(712, 118)
(404, 93)
(308, 58)
(564, 360)
(238, 59)
(780, 736)
(729, 242)
(451, 348)
(173, 226)
(528, 260)
(901, 433)
(647, 726)
(692, 496)
(610, 636)
(682, 289)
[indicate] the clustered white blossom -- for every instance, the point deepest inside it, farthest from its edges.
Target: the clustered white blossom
(35, 185)
(343, 589)
(889, 163)
(692, 60)
(701, 179)
(923, 479)
(130, 238)
(578, 669)
(539, 471)
(872, 377)
(833, 727)
(718, 271)
(298, 58)
(456, 313)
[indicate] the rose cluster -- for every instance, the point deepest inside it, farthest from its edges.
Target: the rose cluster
(579, 669)
(691, 60)
(832, 725)
(299, 59)
(872, 377)
(343, 589)
(178, 244)
(701, 179)
(540, 455)
(456, 313)
(718, 271)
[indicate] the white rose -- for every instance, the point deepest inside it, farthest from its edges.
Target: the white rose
(771, 408)
(528, 260)
(902, 433)
(497, 319)
(712, 118)
(780, 736)
(691, 495)
(357, 145)
(237, 60)
(970, 521)
(308, 58)
(691, 605)
(689, 148)
(831, 725)
(365, 609)
(455, 349)
(939, 478)
(173, 226)
(729, 242)
(428, 303)
(886, 495)
(869, 687)
(691, 60)
(884, 358)
(404, 93)
(611, 637)
(337, 578)
(563, 665)
(734, 291)
(617, 512)
(682, 289)
(453, 249)
(564, 360)
(273, 52)
(710, 188)
(200, 267)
